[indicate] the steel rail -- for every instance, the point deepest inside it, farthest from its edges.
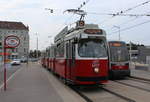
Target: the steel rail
(139, 80)
(118, 95)
(87, 99)
(137, 87)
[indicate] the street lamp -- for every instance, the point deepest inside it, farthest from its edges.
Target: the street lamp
(118, 27)
(50, 38)
(130, 51)
(37, 45)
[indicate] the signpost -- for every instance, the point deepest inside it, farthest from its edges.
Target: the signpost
(0, 53)
(10, 41)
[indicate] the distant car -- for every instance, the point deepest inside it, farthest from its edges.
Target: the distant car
(33, 59)
(15, 62)
(23, 60)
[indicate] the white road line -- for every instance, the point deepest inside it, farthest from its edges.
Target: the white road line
(1, 86)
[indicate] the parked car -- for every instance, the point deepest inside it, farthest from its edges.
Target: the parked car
(15, 62)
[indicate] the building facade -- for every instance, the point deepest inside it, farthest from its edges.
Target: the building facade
(144, 53)
(20, 30)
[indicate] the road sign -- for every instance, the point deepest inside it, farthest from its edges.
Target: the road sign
(11, 41)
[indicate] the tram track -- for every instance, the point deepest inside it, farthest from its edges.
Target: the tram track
(119, 95)
(134, 86)
(88, 99)
(147, 81)
(131, 92)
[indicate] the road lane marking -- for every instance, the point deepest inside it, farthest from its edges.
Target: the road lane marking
(1, 86)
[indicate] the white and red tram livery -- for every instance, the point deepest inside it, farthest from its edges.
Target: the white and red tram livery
(80, 55)
(118, 59)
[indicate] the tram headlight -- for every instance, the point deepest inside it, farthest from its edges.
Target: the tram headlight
(96, 70)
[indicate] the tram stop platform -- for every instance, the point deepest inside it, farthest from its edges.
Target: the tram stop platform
(140, 73)
(32, 83)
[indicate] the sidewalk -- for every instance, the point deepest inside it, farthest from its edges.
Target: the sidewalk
(139, 73)
(35, 84)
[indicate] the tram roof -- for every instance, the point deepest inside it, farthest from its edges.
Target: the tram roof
(68, 30)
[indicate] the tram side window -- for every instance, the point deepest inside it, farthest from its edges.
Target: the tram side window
(52, 53)
(60, 50)
(70, 50)
(46, 52)
(73, 51)
(49, 52)
(67, 50)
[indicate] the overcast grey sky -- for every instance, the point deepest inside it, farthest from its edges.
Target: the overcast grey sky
(40, 21)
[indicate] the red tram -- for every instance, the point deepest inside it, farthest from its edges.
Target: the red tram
(118, 59)
(79, 55)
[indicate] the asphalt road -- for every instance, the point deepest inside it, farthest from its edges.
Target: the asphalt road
(10, 71)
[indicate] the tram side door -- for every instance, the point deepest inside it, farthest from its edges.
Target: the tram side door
(70, 59)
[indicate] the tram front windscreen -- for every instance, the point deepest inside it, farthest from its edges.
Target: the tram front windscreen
(93, 48)
(118, 52)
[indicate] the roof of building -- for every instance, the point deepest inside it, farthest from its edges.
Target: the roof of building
(13, 25)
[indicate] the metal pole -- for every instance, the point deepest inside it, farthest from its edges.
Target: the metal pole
(50, 38)
(4, 64)
(37, 46)
(4, 69)
(119, 34)
(130, 50)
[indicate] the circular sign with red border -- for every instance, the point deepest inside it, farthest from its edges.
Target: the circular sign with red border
(12, 41)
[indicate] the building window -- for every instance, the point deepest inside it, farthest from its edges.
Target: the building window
(0, 37)
(24, 50)
(13, 50)
(16, 49)
(60, 50)
(24, 38)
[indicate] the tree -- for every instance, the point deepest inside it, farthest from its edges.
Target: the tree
(134, 46)
(34, 53)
